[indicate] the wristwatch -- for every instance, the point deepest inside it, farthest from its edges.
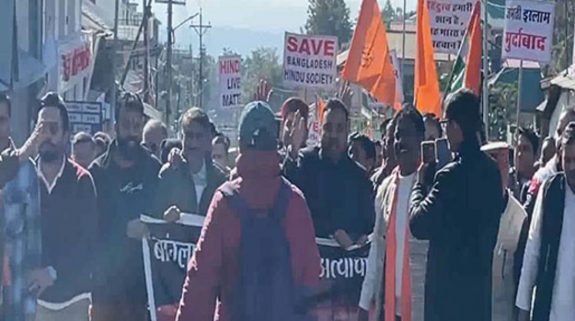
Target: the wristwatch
(52, 272)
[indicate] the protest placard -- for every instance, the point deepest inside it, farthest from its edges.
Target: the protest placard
(166, 254)
(528, 30)
(310, 61)
(449, 20)
(230, 81)
(341, 279)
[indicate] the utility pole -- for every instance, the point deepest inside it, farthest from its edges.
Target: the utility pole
(201, 29)
(146, 21)
(114, 58)
(169, 64)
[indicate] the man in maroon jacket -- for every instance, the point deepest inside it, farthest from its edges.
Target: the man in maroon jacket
(214, 268)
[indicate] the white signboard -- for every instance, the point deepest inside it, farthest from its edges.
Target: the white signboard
(85, 116)
(230, 81)
(75, 61)
(310, 61)
(528, 30)
(449, 20)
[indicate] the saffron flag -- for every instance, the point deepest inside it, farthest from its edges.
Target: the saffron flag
(398, 85)
(467, 69)
(427, 93)
(368, 63)
(320, 109)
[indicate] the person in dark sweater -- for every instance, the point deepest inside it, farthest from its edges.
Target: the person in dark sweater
(67, 194)
(126, 177)
(459, 213)
(338, 192)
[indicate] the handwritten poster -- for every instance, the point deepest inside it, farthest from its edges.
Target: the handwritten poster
(230, 81)
(449, 20)
(528, 30)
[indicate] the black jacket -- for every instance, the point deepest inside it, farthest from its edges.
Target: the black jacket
(460, 218)
(340, 196)
(123, 195)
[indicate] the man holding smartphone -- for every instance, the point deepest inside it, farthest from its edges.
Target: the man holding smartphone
(460, 217)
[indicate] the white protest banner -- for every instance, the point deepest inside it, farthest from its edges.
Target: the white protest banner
(310, 61)
(230, 81)
(449, 20)
(528, 30)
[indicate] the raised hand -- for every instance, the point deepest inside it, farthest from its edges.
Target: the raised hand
(297, 135)
(345, 93)
(263, 91)
(30, 148)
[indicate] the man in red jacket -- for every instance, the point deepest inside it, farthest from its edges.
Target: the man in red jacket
(214, 268)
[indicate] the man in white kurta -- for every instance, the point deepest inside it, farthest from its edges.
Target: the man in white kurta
(397, 189)
(562, 296)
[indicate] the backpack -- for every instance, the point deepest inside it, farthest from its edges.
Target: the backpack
(265, 290)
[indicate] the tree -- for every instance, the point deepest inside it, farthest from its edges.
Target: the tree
(503, 110)
(388, 13)
(329, 17)
(262, 64)
(563, 35)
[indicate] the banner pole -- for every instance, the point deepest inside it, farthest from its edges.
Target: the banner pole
(485, 89)
(519, 91)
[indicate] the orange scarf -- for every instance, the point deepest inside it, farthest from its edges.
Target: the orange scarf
(391, 256)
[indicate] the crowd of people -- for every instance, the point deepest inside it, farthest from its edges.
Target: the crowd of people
(465, 240)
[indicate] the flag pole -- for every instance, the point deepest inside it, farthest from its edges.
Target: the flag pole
(403, 43)
(519, 91)
(485, 89)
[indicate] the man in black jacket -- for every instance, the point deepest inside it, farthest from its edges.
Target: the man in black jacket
(338, 192)
(460, 217)
(126, 177)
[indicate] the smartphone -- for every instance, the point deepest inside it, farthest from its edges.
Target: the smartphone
(443, 154)
(428, 152)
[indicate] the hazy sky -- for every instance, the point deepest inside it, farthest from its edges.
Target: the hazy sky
(263, 15)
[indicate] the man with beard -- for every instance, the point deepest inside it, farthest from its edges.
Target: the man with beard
(460, 217)
(337, 190)
(189, 185)
(549, 261)
(126, 178)
(384, 288)
(67, 194)
(20, 212)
